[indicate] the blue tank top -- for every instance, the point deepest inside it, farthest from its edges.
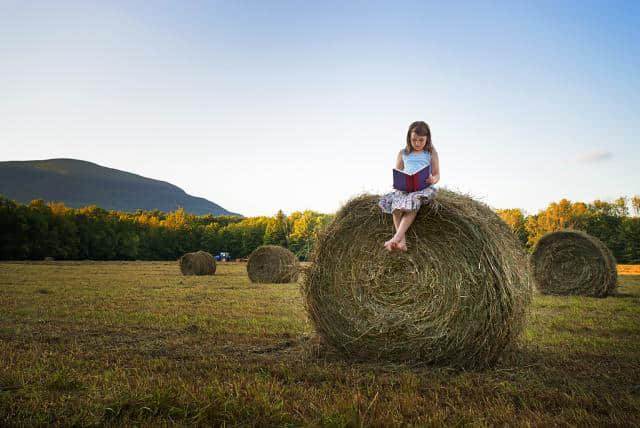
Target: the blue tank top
(415, 161)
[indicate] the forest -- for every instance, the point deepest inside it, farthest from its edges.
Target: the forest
(38, 230)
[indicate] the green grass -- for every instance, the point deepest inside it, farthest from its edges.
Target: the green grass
(136, 343)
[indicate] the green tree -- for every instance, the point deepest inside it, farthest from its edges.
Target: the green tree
(516, 221)
(277, 230)
(63, 232)
(304, 229)
(635, 203)
(620, 207)
(630, 228)
(601, 207)
(557, 216)
(241, 238)
(607, 228)
(210, 240)
(13, 225)
(38, 237)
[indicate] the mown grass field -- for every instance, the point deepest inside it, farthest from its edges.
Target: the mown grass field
(124, 343)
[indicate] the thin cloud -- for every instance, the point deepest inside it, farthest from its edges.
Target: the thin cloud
(594, 157)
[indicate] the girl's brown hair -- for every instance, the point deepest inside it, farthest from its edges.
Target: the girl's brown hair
(421, 129)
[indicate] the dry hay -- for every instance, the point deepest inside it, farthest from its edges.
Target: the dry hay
(628, 269)
(198, 263)
(571, 262)
(457, 297)
(272, 264)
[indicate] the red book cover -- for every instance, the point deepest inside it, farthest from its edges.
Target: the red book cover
(411, 182)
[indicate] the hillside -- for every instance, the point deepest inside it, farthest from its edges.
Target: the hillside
(78, 183)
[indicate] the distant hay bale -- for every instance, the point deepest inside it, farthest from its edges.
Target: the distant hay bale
(49, 259)
(197, 263)
(457, 297)
(272, 264)
(571, 262)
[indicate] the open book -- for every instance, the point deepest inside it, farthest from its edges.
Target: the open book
(411, 183)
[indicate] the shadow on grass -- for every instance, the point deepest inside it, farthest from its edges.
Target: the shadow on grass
(624, 295)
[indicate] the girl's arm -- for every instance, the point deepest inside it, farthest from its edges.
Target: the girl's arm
(399, 161)
(435, 168)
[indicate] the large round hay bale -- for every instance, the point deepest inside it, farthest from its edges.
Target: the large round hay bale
(571, 262)
(272, 264)
(198, 263)
(457, 297)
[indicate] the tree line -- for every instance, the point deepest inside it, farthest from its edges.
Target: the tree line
(37, 230)
(610, 222)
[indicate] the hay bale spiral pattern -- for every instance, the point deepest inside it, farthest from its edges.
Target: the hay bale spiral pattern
(572, 262)
(197, 263)
(457, 297)
(272, 264)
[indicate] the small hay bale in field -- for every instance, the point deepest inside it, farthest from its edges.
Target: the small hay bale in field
(197, 263)
(49, 259)
(272, 264)
(571, 262)
(457, 297)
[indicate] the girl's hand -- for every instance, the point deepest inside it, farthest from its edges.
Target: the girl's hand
(433, 179)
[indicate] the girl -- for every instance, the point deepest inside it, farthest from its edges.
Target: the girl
(404, 206)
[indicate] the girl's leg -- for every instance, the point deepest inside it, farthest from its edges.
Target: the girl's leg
(400, 237)
(390, 245)
(397, 216)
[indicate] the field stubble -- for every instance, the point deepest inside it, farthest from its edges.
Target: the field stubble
(137, 343)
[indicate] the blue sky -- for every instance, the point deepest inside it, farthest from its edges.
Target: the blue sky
(293, 105)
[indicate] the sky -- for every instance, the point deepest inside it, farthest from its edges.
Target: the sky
(293, 105)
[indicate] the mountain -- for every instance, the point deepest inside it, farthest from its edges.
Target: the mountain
(79, 183)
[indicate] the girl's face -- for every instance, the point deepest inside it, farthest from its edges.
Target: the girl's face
(418, 142)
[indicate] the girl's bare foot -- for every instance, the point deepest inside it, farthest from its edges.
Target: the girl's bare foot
(390, 245)
(397, 243)
(402, 245)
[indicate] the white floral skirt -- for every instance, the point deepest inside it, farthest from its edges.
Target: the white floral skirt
(404, 201)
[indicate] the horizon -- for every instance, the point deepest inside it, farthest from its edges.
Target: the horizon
(524, 212)
(304, 106)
